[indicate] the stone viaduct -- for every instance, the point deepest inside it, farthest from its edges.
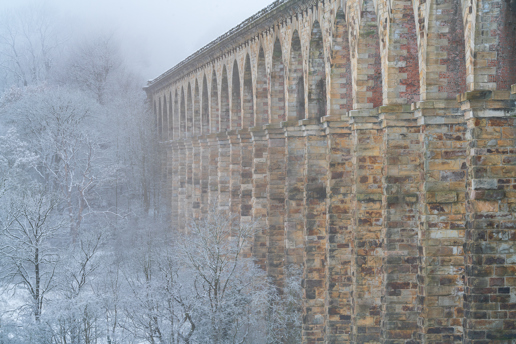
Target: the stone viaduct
(374, 142)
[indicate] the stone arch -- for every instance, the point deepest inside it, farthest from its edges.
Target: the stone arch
(205, 111)
(368, 81)
(214, 111)
(445, 51)
(236, 99)
(177, 120)
(262, 98)
(277, 85)
(224, 102)
(197, 110)
(189, 111)
(316, 74)
(341, 99)
(182, 128)
(296, 82)
(248, 101)
(170, 116)
(403, 85)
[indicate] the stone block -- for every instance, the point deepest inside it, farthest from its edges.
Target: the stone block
(369, 197)
(441, 197)
(488, 195)
(474, 95)
(484, 184)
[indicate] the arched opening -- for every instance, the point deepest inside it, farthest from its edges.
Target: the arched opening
(197, 110)
(506, 49)
(177, 119)
(277, 85)
(403, 85)
(341, 97)
(189, 111)
(205, 107)
(214, 111)
(446, 57)
(368, 84)
(296, 82)
(224, 102)
(170, 117)
(160, 120)
(262, 94)
(183, 114)
(248, 121)
(236, 99)
(317, 75)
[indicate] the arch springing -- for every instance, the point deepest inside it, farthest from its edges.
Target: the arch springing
(197, 110)
(368, 83)
(277, 85)
(165, 118)
(296, 83)
(446, 75)
(224, 102)
(182, 128)
(262, 97)
(341, 99)
(170, 117)
(160, 120)
(189, 111)
(317, 96)
(177, 119)
(248, 99)
(205, 111)
(214, 111)
(236, 99)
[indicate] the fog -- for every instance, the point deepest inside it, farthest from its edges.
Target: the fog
(89, 249)
(155, 34)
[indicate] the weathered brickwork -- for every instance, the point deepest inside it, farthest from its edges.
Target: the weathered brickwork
(373, 144)
(339, 228)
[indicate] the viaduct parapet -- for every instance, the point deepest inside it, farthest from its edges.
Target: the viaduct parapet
(374, 143)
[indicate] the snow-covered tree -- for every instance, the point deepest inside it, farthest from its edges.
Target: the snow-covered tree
(93, 65)
(59, 126)
(285, 311)
(29, 44)
(227, 288)
(16, 161)
(86, 251)
(28, 238)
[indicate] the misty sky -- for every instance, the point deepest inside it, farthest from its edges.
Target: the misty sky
(155, 34)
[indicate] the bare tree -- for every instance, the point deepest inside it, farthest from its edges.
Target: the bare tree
(76, 313)
(29, 43)
(93, 64)
(285, 312)
(15, 162)
(29, 255)
(59, 126)
(227, 285)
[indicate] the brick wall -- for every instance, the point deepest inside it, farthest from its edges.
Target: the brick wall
(344, 131)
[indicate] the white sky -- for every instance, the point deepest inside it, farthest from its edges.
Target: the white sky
(155, 34)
